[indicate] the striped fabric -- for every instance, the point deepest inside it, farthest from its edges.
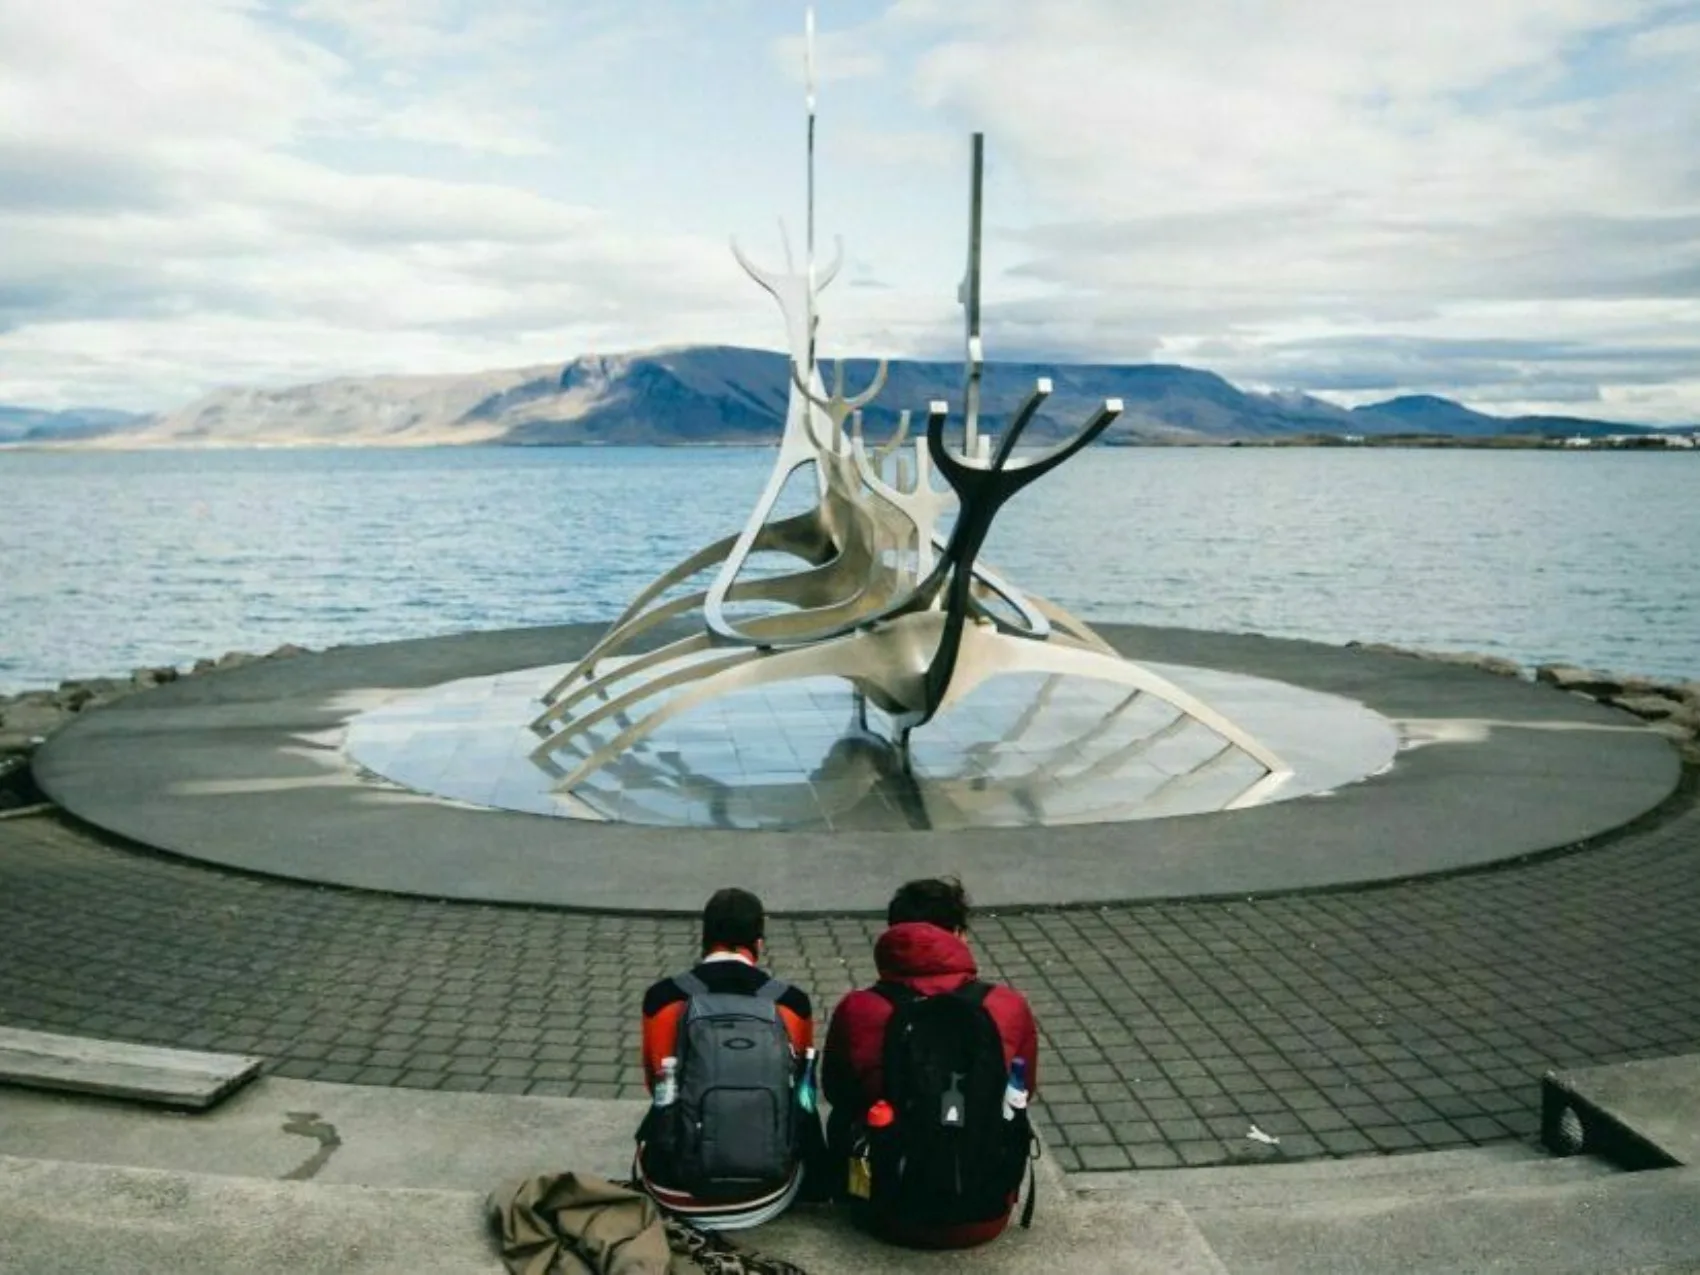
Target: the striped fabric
(719, 1215)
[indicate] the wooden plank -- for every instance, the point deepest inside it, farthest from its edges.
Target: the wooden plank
(119, 1069)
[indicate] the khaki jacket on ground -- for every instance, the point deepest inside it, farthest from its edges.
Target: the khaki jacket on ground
(577, 1224)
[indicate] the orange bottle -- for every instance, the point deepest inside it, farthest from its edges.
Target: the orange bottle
(861, 1181)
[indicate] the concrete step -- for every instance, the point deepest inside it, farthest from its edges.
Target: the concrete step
(1640, 1115)
(321, 1177)
(277, 1138)
(363, 1135)
(1626, 1222)
(110, 1220)
(1361, 1178)
(106, 1220)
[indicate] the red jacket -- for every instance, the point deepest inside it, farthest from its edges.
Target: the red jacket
(931, 961)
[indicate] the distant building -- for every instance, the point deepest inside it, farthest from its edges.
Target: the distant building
(1679, 442)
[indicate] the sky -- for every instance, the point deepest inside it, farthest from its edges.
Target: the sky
(1493, 200)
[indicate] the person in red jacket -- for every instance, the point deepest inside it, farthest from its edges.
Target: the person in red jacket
(924, 948)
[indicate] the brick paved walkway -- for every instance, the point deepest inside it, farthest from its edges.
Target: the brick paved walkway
(1411, 1017)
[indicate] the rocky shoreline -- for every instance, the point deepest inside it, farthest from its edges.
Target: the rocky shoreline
(1671, 708)
(27, 718)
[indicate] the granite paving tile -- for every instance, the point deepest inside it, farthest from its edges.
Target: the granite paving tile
(1355, 1022)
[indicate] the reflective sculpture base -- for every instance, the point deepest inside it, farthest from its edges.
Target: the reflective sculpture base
(269, 768)
(1023, 750)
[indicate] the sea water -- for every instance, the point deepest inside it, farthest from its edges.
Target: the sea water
(112, 560)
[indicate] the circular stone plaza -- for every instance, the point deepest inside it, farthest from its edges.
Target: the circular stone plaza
(344, 864)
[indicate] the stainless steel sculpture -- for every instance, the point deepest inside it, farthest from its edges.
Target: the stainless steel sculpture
(912, 620)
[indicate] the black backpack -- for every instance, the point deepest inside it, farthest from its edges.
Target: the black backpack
(733, 1128)
(949, 1156)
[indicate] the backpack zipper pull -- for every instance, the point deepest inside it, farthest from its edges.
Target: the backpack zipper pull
(951, 1113)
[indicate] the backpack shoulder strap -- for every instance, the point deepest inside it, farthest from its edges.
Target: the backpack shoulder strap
(895, 993)
(974, 992)
(772, 990)
(691, 985)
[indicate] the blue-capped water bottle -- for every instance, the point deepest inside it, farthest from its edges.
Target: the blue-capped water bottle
(1015, 1092)
(807, 1092)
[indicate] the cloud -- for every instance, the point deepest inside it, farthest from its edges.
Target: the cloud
(839, 56)
(913, 148)
(1250, 175)
(1496, 201)
(171, 220)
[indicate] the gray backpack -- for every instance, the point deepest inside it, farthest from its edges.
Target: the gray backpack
(733, 1128)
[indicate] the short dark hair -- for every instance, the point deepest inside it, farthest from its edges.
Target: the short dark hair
(732, 918)
(939, 901)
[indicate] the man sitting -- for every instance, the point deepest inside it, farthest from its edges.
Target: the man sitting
(724, 1049)
(928, 1073)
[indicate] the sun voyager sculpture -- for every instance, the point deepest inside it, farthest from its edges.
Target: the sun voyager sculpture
(875, 594)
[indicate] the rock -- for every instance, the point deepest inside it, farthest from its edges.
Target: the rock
(287, 650)
(1567, 677)
(1475, 659)
(26, 721)
(16, 741)
(230, 659)
(1380, 648)
(1630, 685)
(76, 694)
(94, 685)
(1655, 708)
(148, 677)
(1679, 735)
(1688, 693)
(1468, 659)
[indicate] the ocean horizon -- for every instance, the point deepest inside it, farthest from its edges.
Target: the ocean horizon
(116, 560)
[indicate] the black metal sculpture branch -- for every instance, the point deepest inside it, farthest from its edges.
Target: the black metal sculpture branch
(981, 491)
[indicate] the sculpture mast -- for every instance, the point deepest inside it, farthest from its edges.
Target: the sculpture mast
(809, 231)
(970, 298)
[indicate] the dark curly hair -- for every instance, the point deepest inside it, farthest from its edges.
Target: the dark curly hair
(939, 901)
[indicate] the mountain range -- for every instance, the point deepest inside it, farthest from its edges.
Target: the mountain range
(732, 395)
(39, 425)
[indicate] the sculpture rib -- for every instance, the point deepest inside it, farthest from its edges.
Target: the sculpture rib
(800, 536)
(989, 653)
(743, 670)
(684, 646)
(912, 620)
(812, 590)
